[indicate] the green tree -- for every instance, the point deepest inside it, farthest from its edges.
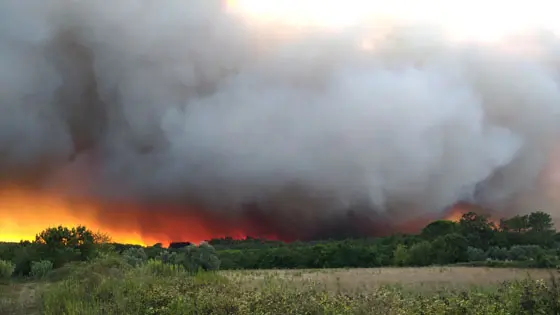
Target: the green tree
(540, 221)
(61, 244)
(420, 254)
(477, 229)
(135, 256)
(450, 249)
(195, 257)
(400, 255)
(438, 228)
(517, 224)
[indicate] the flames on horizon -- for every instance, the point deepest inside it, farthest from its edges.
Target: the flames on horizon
(25, 213)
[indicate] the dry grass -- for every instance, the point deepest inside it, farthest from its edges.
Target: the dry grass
(429, 278)
(155, 288)
(20, 298)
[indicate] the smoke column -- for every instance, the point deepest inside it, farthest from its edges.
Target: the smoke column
(297, 131)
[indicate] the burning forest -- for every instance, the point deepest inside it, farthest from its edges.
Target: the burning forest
(190, 120)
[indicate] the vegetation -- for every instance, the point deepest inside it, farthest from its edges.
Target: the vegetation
(6, 270)
(40, 269)
(110, 286)
(75, 271)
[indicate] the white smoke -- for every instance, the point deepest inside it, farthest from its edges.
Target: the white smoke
(180, 100)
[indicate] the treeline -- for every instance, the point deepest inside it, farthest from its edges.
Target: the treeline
(528, 241)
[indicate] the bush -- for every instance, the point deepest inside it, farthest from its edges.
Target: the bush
(160, 269)
(6, 269)
(475, 254)
(420, 254)
(497, 253)
(24, 255)
(135, 256)
(168, 257)
(525, 252)
(203, 257)
(39, 269)
(400, 255)
(210, 293)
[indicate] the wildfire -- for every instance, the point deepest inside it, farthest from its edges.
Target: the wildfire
(457, 211)
(24, 213)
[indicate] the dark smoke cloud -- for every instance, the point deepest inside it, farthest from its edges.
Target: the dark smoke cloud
(179, 101)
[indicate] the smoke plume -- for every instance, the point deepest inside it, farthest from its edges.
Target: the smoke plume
(302, 132)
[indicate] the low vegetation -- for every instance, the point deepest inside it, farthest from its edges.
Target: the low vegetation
(75, 271)
(109, 285)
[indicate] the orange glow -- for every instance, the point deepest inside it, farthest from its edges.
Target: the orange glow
(455, 215)
(457, 211)
(23, 214)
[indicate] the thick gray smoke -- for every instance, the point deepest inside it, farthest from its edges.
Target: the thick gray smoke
(180, 100)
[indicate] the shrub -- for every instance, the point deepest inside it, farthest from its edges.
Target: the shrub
(24, 255)
(203, 257)
(475, 254)
(39, 269)
(400, 255)
(135, 256)
(420, 254)
(525, 252)
(158, 268)
(6, 269)
(210, 293)
(497, 253)
(168, 257)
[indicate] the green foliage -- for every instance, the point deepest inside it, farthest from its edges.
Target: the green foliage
(438, 228)
(154, 251)
(478, 230)
(420, 254)
(524, 252)
(451, 248)
(498, 253)
(135, 256)
(6, 269)
(169, 293)
(24, 255)
(475, 254)
(159, 268)
(202, 257)
(40, 269)
(62, 245)
(540, 221)
(528, 240)
(400, 256)
(169, 257)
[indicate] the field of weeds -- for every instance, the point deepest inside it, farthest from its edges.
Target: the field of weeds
(110, 286)
(413, 279)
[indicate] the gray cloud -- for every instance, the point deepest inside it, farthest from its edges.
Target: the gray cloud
(181, 101)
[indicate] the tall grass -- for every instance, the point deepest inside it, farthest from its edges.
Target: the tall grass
(109, 286)
(156, 288)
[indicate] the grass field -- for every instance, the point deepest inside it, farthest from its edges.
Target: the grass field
(428, 278)
(109, 286)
